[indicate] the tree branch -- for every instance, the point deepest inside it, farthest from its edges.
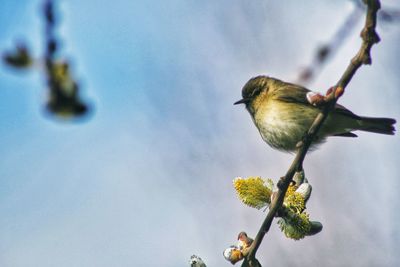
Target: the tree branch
(363, 56)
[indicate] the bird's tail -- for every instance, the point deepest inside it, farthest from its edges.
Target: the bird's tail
(377, 125)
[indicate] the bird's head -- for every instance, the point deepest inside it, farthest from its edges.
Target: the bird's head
(252, 91)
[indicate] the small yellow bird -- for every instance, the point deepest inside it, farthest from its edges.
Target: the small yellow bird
(283, 113)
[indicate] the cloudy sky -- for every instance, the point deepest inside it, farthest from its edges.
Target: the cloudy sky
(147, 179)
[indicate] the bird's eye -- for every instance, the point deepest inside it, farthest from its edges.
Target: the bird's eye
(255, 92)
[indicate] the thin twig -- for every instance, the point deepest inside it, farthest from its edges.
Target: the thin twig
(369, 37)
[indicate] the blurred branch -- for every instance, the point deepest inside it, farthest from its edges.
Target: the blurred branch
(63, 100)
(63, 90)
(19, 58)
(327, 50)
(369, 37)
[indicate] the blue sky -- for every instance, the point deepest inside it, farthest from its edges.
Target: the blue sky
(147, 179)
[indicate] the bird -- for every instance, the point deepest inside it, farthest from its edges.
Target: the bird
(283, 113)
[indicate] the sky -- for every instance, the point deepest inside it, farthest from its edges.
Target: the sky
(146, 179)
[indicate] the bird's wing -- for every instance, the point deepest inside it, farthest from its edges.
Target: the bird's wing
(292, 93)
(296, 94)
(348, 134)
(339, 109)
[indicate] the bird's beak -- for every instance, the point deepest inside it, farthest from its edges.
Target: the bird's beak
(242, 101)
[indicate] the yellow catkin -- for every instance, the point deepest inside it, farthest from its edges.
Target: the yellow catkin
(253, 191)
(293, 200)
(296, 227)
